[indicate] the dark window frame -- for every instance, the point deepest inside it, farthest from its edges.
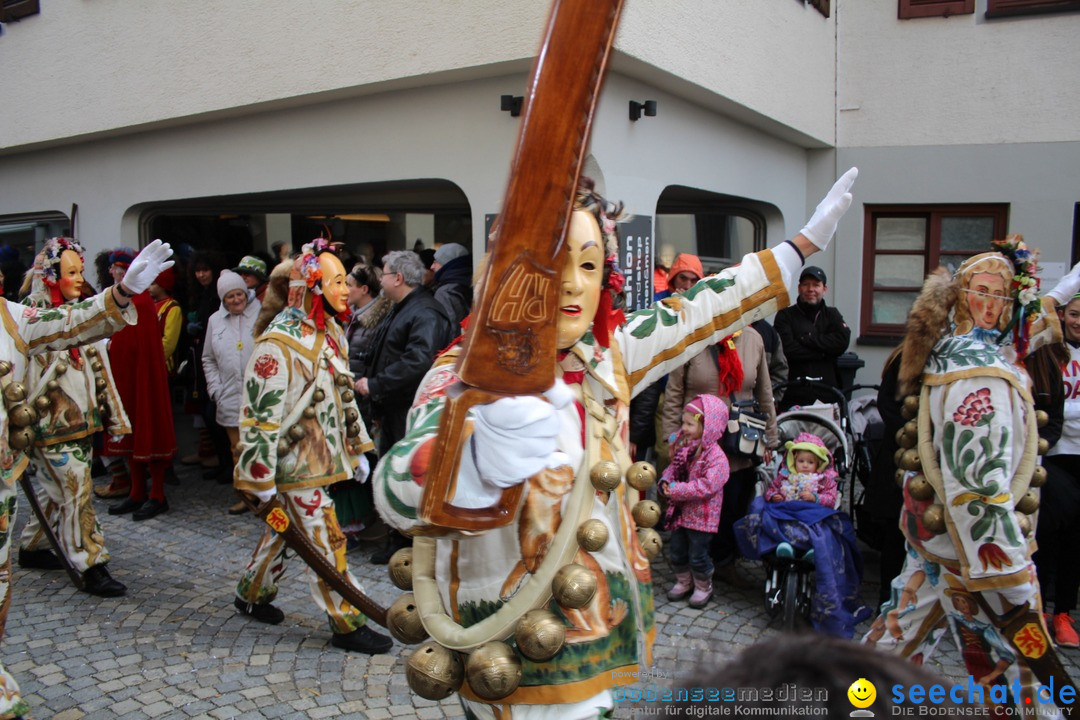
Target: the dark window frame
(931, 251)
(1012, 8)
(908, 9)
(15, 10)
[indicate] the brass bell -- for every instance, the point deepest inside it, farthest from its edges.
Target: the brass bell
(403, 620)
(573, 586)
(22, 415)
(353, 430)
(592, 535)
(351, 415)
(297, 433)
(910, 407)
(1038, 478)
(1041, 418)
(934, 518)
(97, 366)
(646, 513)
(898, 456)
(605, 476)
(309, 412)
(401, 568)
(284, 447)
(102, 398)
(904, 440)
(91, 352)
(1028, 503)
(100, 384)
(5, 367)
(493, 670)
(901, 474)
(650, 542)
(21, 439)
(61, 368)
(319, 395)
(641, 476)
(920, 488)
(910, 460)
(434, 672)
(1044, 446)
(1024, 522)
(342, 380)
(52, 386)
(42, 404)
(103, 411)
(540, 634)
(15, 392)
(348, 396)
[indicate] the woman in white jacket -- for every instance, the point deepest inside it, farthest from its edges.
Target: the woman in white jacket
(228, 345)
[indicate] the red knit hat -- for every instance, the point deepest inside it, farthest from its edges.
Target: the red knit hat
(167, 280)
(686, 263)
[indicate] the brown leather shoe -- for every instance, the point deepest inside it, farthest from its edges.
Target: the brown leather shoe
(112, 491)
(238, 509)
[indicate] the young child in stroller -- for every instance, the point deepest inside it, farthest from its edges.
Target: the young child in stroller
(796, 513)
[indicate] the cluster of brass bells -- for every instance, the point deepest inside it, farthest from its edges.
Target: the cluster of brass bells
(21, 413)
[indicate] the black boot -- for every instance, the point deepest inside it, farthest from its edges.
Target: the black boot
(394, 542)
(265, 613)
(39, 560)
(99, 582)
(362, 639)
(150, 508)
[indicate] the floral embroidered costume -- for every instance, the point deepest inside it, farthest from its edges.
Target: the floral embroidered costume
(968, 468)
(76, 396)
(28, 332)
(299, 432)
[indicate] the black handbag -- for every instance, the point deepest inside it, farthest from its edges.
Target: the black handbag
(745, 434)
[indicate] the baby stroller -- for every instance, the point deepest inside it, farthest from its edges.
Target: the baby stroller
(789, 572)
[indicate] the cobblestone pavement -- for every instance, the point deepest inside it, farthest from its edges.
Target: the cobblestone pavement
(175, 647)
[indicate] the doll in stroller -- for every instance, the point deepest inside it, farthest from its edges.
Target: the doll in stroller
(813, 566)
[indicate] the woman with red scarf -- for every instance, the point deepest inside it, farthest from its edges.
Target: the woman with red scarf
(138, 362)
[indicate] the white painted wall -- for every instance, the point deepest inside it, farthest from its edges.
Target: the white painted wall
(956, 81)
(109, 66)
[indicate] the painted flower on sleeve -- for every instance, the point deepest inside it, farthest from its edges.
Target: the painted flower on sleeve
(975, 406)
(259, 471)
(266, 367)
(993, 556)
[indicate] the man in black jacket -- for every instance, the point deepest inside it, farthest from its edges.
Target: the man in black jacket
(813, 336)
(405, 345)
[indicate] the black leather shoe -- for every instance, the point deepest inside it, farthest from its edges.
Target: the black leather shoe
(265, 613)
(151, 508)
(39, 560)
(125, 506)
(363, 639)
(99, 582)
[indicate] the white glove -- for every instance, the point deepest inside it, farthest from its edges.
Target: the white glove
(515, 438)
(821, 227)
(265, 495)
(1018, 594)
(363, 469)
(144, 269)
(1067, 287)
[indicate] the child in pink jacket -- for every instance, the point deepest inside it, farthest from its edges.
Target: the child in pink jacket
(693, 484)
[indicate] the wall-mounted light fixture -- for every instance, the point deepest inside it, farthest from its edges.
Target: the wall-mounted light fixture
(511, 104)
(637, 109)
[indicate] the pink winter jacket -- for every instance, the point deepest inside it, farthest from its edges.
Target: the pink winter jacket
(694, 482)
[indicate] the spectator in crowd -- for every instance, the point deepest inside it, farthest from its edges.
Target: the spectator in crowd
(774, 356)
(203, 302)
(427, 257)
(227, 347)
(813, 335)
(685, 271)
(138, 362)
(405, 347)
(168, 315)
(659, 277)
(253, 270)
(453, 280)
(735, 368)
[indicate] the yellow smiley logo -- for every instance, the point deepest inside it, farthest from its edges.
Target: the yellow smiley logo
(862, 693)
